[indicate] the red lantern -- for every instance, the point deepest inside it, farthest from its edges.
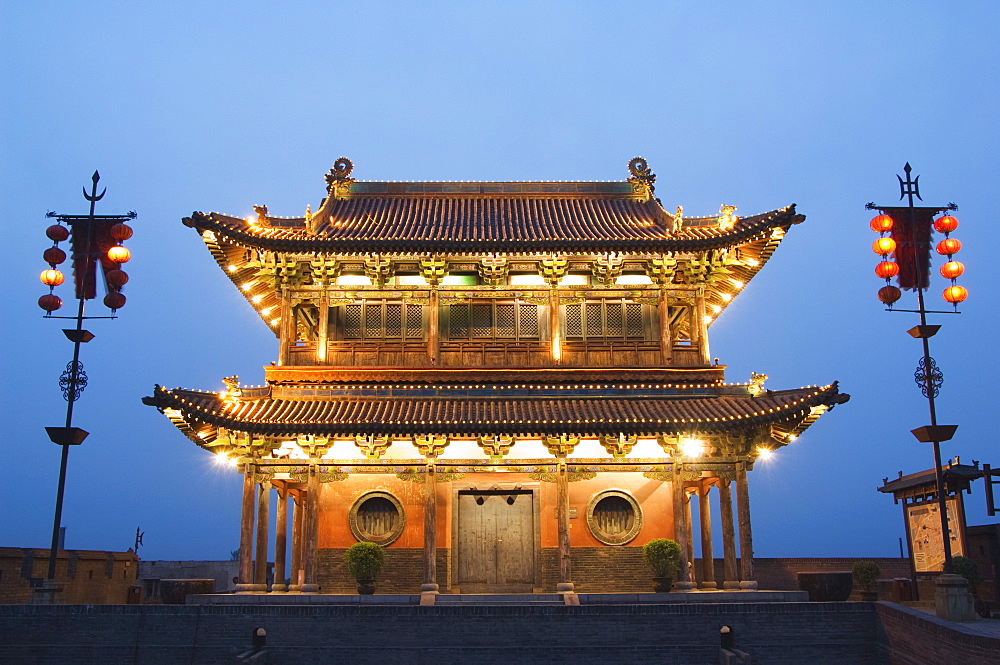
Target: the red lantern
(955, 294)
(117, 278)
(884, 246)
(57, 232)
(949, 246)
(952, 269)
(54, 256)
(887, 269)
(51, 277)
(889, 294)
(945, 224)
(881, 223)
(50, 302)
(114, 300)
(120, 232)
(119, 254)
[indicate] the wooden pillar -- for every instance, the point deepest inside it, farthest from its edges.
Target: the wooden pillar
(280, 543)
(699, 315)
(705, 521)
(310, 541)
(746, 535)
(731, 580)
(689, 545)
(434, 327)
(263, 510)
(245, 584)
(555, 330)
(430, 531)
(298, 505)
(286, 329)
(666, 334)
(681, 534)
(323, 331)
(565, 583)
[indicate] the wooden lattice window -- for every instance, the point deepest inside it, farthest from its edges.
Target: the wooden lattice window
(380, 320)
(614, 517)
(377, 517)
(486, 320)
(605, 319)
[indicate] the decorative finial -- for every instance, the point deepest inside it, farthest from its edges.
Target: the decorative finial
(642, 177)
(678, 222)
(756, 386)
(727, 219)
(261, 211)
(339, 177)
(233, 391)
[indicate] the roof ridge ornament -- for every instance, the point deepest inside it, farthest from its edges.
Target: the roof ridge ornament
(339, 178)
(642, 176)
(727, 220)
(756, 386)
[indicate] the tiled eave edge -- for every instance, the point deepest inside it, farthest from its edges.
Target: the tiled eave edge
(284, 241)
(792, 419)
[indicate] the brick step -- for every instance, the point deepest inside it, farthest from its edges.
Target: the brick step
(494, 600)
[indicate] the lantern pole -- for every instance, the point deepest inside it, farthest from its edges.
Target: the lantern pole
(928, 376)
(74, 379)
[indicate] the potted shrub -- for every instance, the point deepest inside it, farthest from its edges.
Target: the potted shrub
(866, 576)
(663, 557)
(364, 563)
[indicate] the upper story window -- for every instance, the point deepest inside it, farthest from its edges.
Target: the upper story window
(606, 319)
(379, 320)
(486, 319)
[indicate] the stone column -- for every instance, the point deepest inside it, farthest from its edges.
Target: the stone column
(280, 543)
(310, 542)
(681, 534)
(707, 556)
(245, 585)
(666, 335)
(297, 525)
(746, 536)
(728, 535)
(565, 583)
(430, 531)
(263, 510)
(434, 327)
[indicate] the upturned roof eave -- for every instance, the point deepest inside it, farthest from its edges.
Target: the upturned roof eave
(189, 415)
(226, 242)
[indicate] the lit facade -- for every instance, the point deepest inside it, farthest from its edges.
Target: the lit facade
(508, 384)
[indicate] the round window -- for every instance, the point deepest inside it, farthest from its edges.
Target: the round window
(377, 517)
(614, 517)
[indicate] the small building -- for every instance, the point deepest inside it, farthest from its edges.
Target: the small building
(225, 574)
(507, 384)
(918, 495)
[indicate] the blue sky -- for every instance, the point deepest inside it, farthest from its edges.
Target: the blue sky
(217, 106)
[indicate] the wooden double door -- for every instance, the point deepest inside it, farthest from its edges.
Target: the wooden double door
(497, 537)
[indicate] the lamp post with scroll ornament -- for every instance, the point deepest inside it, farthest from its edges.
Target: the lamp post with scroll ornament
(95, 244)
(904, 245)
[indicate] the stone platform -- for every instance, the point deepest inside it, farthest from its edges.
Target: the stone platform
(684, 633)
(487, 600)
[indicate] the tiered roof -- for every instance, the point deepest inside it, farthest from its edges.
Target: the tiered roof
(415, 219)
